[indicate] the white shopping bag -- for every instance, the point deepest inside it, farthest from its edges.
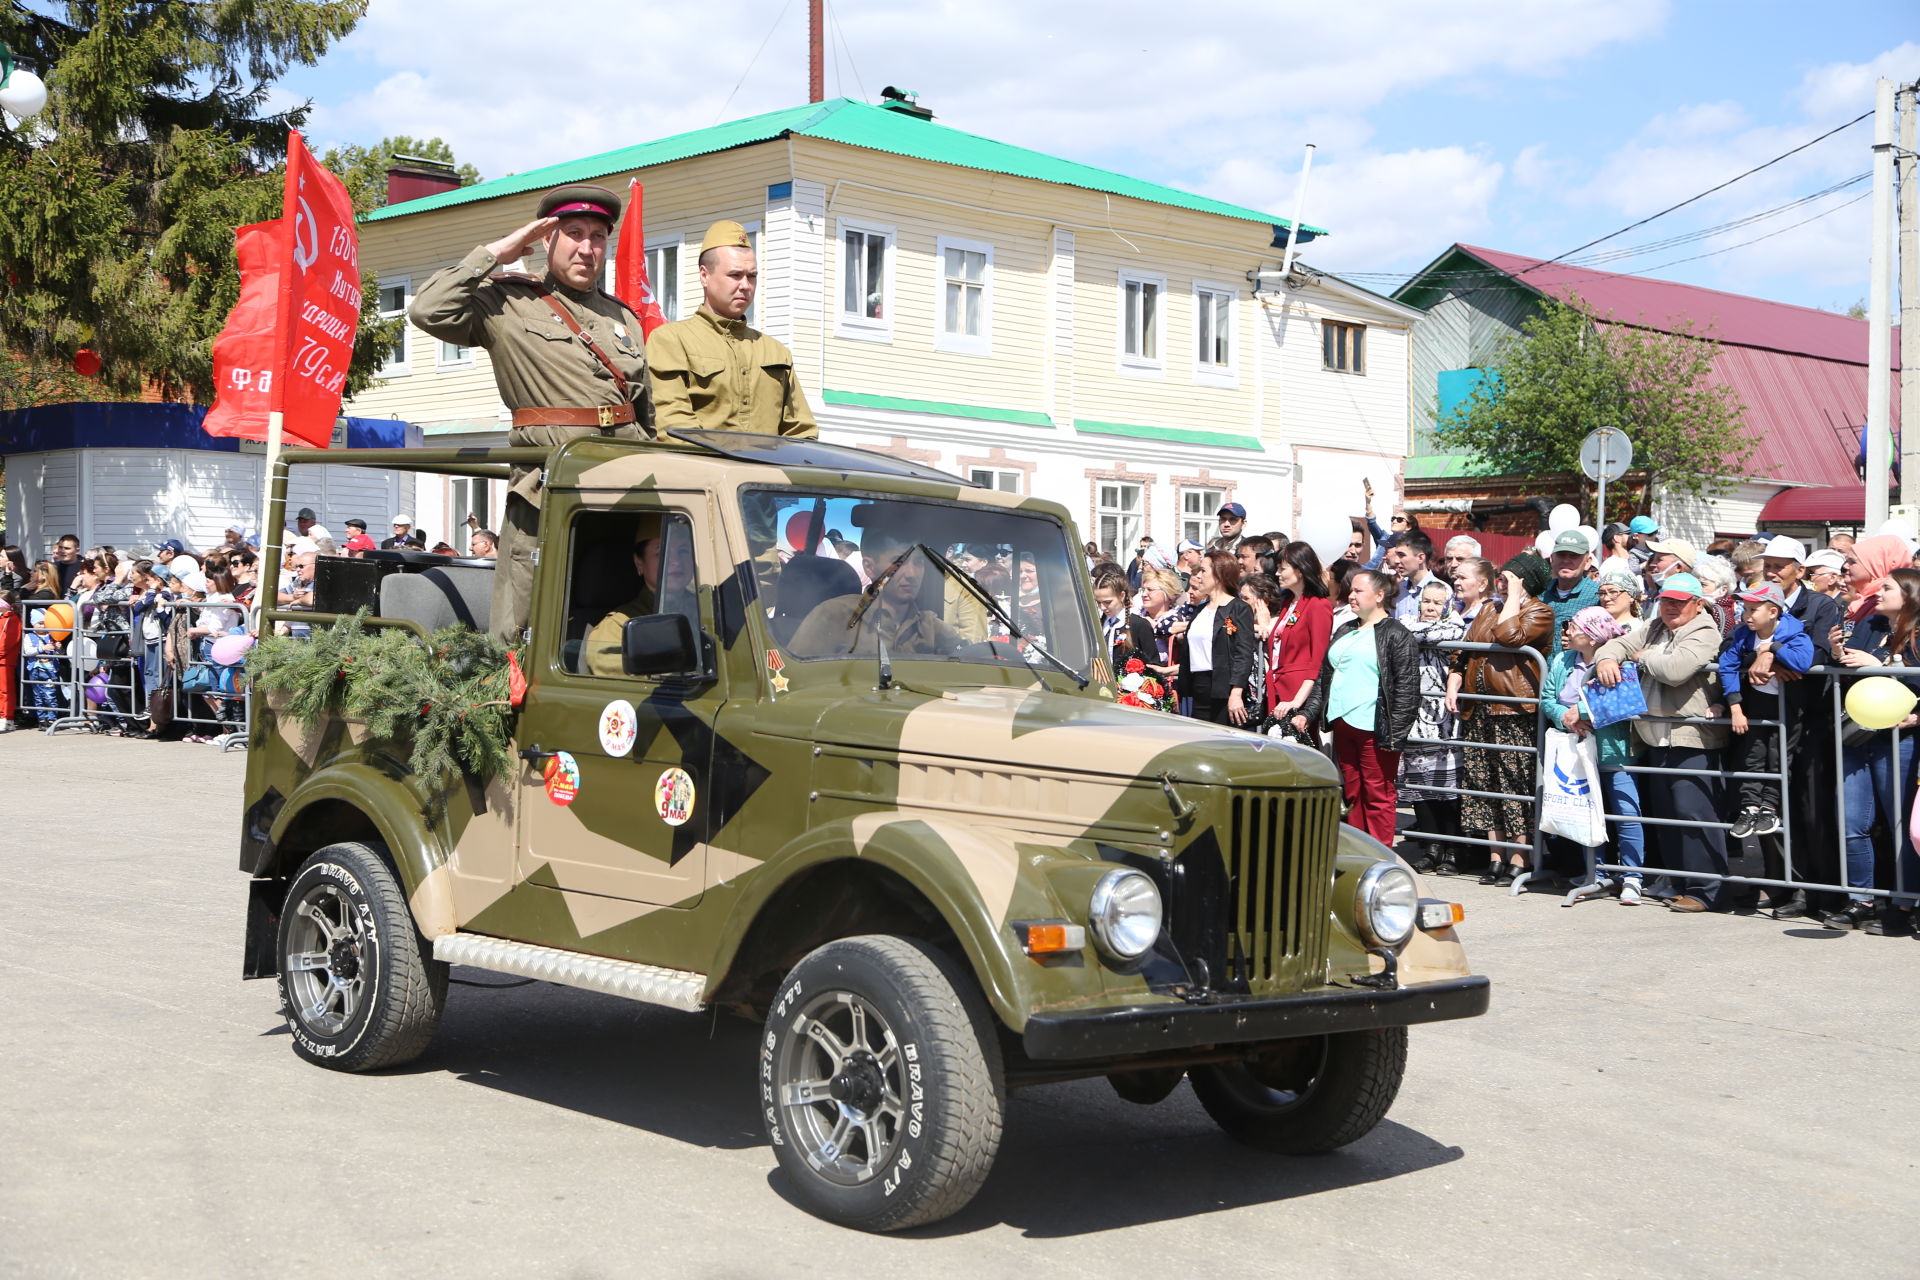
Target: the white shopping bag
(1571, 803)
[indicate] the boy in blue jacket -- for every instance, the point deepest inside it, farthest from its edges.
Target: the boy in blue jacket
(1768, 640)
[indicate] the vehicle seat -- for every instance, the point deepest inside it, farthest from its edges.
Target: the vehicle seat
(806, 582)
(440, 596)
(603, 579)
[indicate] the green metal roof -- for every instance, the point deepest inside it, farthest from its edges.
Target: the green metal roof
(854, 124)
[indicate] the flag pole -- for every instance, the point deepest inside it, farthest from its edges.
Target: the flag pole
(267, 587)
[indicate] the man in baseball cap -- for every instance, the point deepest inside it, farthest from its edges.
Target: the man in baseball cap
(1639, 530)
(1233, 519)
(1826, 571)
(1675, 555)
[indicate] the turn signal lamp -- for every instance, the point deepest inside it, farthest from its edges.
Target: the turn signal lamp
(1050, 937)
(1441, 915)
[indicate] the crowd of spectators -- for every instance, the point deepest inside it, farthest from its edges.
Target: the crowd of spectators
(1362, 658)
(143, 633)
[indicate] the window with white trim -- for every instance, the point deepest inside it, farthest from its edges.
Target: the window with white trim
(866, 281)
(663, 274)
(1117, 517)
(966, 296)
(1200, 513)
(753, 242)
(995, 478)
(1343, 347)
(395, 293)
(452, 355)
(1213, 333)
(1142, 303)
(468, 497)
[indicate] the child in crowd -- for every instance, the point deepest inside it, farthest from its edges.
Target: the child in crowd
(1429, 772)
(1567, 675)
(1768, 641)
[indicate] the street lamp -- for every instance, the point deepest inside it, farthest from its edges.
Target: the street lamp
(22, 93)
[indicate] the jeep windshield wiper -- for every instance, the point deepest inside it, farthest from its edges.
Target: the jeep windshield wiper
(981, 594)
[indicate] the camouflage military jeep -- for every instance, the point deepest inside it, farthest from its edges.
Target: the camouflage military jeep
(830, 741)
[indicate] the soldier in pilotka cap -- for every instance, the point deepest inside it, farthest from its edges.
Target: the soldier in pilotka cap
(712, 370)
(568, 358)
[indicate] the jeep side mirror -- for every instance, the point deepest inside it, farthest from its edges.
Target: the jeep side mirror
(659, 644)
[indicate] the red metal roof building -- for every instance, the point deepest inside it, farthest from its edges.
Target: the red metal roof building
(1801, 373)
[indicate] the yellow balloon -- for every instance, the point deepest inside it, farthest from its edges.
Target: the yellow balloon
(1880, 702)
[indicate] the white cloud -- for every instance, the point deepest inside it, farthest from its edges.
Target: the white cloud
(1839, 89)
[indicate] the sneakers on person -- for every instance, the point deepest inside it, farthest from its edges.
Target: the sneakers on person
(1766, 822)
(1746, 824)
(1630, 892)
(6, 726)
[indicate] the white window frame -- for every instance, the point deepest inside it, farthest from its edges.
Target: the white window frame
(449, 356)
(456, 514)
(400, 366)
(851, 325)
(669, 302)
(1141, 366)
(1326, 333)
(753, 242)
(1205, 526)
(997, 478)
(1205, 372)
(1128, 525)
(980, 344)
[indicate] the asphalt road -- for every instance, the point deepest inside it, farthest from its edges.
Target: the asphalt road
(1652, 1094)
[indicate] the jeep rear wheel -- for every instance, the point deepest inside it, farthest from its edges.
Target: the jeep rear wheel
(1307, 1096)
(880, 1084)
(357, 984)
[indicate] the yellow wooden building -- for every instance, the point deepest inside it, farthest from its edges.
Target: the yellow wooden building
(1042, 326)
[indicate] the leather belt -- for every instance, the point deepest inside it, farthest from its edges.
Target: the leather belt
(607, 415)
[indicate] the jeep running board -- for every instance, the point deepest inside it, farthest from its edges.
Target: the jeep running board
(674, 988)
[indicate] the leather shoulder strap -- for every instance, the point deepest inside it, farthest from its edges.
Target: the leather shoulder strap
(566, 318)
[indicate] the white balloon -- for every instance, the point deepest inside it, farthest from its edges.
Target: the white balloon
(1898, 528)
(1593, 538)
(24, 95)
(1544, 543)
(1327, 532)
(1564, 516)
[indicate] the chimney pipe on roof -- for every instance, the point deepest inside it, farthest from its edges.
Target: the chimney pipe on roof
(412, 177)
(816, 43)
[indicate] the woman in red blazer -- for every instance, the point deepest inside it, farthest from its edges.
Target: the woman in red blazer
(1302, 626)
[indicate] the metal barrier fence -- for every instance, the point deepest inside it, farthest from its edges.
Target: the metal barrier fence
(67, 681)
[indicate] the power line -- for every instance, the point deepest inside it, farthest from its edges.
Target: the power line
(718, 115)
(833, 20)
(1703, 195)
(1706, 233)
(1770, 235)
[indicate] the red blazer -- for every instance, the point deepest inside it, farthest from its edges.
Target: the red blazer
(1294, 653)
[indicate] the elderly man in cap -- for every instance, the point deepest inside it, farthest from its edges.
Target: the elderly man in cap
(402, 538)
(714, 372)
(1678, 651)
(568, 357)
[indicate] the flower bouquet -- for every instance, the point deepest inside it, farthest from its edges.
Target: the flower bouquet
(1139, 687)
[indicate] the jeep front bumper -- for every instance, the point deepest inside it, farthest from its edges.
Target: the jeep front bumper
(1146, 1029)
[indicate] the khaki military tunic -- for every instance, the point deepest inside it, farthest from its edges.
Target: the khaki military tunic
(825, 633)
(720, 375)
(604, 648)
(538, 363)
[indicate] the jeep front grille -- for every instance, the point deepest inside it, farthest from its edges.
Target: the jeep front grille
(1280, 876)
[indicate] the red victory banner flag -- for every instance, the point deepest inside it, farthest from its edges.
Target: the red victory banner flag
(630, 283)
(280, 363)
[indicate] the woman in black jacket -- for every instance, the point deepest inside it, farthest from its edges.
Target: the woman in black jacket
(1216, 660)
(1368, 693)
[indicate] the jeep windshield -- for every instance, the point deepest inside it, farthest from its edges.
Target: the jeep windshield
(818, 557)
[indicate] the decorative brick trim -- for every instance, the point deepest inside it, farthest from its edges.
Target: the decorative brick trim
(1145, 479)
(898, 447)
(998, 459)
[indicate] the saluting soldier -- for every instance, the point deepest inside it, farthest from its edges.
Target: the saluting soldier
(568, 357)
(712, 370)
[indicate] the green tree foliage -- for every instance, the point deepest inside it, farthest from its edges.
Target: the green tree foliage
(119, 202)
(365, 168)
(1562, 376)
(29, 380)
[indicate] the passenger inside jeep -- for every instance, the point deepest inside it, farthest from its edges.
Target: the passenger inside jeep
(850, 624)
(625, 567)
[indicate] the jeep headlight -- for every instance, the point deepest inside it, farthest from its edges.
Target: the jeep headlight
(1387, 904)
(1125, 914)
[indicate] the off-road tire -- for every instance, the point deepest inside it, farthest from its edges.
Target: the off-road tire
(376, 998)
(1325, 1099)
(944, 1075)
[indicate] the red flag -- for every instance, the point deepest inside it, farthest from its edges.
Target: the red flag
(630, 283)
(290, 336)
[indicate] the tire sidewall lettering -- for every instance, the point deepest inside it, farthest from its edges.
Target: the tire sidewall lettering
(361, 904)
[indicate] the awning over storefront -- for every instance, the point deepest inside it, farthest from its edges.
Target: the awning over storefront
(1836, 504)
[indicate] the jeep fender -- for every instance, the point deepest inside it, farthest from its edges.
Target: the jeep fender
(968, 874)
(394, 811)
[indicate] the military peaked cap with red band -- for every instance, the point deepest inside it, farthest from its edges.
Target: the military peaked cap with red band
(581, 200)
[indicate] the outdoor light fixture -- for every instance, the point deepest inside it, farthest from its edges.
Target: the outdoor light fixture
(22, 93)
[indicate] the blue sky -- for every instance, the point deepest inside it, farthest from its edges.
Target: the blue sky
(1526, 125)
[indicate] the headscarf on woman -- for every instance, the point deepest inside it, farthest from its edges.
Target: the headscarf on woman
(1877, 556)
(1532, 571)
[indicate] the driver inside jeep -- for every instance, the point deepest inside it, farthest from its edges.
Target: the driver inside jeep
(853, 624)
(655, 556)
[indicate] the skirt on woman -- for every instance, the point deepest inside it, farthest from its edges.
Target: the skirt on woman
(1508, 771)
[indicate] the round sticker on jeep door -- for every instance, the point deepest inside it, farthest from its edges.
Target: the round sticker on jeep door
(673, 797)
(562, 777)
(618, 727)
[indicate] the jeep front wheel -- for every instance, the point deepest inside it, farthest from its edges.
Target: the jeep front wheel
(1307, 1096)
(357, 984)
(880, 1083)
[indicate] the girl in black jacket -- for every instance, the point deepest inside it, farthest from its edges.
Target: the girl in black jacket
(1368, 694)
(1216, 660)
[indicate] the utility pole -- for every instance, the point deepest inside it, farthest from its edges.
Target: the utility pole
(1909, 302)
(816, 46)
(1879, 305)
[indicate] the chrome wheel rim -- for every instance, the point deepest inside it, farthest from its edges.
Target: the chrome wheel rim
(328, 952)
(840, 1082)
